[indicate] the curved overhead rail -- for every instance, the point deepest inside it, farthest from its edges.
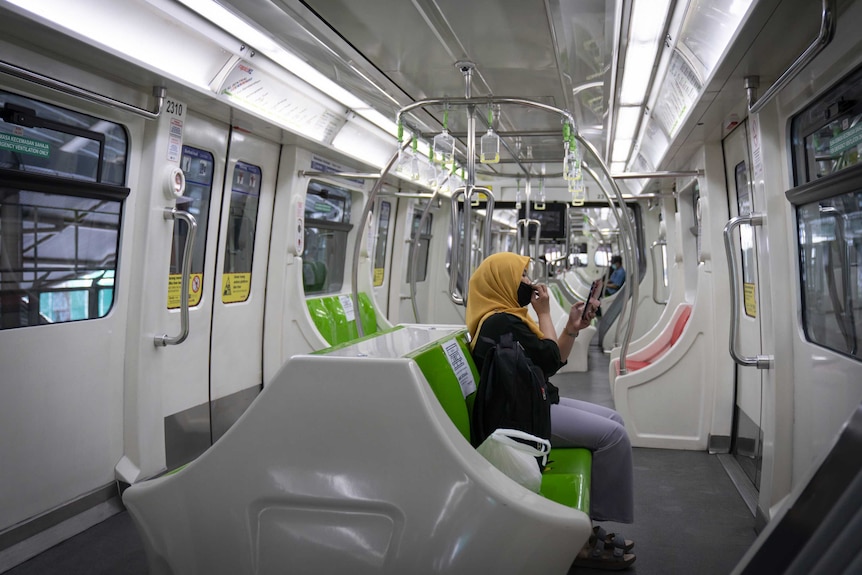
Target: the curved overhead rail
(824, 37)
(159, 92)
(363, 221)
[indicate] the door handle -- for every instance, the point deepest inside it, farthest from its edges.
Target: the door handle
(166, 340)
(758, 361)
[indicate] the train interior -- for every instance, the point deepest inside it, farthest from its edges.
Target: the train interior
(236, 244)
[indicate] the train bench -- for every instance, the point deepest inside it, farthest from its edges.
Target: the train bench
(356, 459)
(566, 478)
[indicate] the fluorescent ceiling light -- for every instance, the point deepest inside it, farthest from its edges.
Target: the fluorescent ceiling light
(264, 44)
(618, 167)
(645, 30)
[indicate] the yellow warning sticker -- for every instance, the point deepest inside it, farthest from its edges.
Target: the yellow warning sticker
(235, 287)
(749, 292)
(175, 282)
(378, 276)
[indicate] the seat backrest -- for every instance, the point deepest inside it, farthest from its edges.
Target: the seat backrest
(450, 375)
(335, 324)
(679, 325)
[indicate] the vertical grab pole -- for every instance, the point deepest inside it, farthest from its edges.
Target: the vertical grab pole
(467, 264)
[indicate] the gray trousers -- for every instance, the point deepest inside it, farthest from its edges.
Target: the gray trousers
(601, 430)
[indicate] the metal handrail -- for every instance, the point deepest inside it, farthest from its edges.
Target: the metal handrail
(166, 340)
(758, 361)
(654, 269)
(159, 92)
(824, 37)
(630, 288)
(454, 257)
(524, 240)
(363, 221)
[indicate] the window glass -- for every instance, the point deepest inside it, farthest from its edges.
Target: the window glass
(197, 165)
(827, 136)
(327, 225)
(36, 137)
(60, 212)
(830, 262)
(241, 229)
(380, 243)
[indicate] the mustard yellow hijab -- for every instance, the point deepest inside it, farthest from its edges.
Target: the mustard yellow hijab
(494, 288)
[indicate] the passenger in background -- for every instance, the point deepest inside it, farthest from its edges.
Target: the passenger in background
(500, 290)
(617, 277)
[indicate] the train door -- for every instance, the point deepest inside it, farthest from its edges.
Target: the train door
(412, 217)
(183, 369)
(747, 435)
(236, 344)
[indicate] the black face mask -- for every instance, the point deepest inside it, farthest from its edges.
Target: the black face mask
(525, 294)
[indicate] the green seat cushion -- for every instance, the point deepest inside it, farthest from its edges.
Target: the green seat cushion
(566, 478)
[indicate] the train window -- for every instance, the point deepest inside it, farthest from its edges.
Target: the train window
(241, 230)
(827, 136)
(830, 260)
(197, 165)
(424, 245)
(60, 211)
(42, 138)
(327, 224)
(380, 243)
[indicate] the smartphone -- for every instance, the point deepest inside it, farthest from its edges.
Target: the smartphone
(595, 293)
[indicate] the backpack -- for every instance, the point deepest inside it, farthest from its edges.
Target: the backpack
(512, 393)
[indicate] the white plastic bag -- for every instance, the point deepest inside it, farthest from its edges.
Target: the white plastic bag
(516, 459)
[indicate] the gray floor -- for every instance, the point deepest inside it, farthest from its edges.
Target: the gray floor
(689, 518)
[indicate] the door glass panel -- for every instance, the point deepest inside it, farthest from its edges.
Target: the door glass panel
(241, 229)
(424, 244)
(381, 243)
(197, 165)
(746, 234)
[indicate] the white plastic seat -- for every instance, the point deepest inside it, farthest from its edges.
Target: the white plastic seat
(349, 465)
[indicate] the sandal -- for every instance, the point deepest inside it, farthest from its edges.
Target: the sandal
(613, 540)
(596, 555)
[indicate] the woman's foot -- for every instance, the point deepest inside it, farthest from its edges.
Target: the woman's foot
(598, 554)
(613, 540)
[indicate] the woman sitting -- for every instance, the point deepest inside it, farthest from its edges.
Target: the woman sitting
(499, 292)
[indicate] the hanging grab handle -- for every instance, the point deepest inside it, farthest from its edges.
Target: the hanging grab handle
(758, 361)
(166, 340)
